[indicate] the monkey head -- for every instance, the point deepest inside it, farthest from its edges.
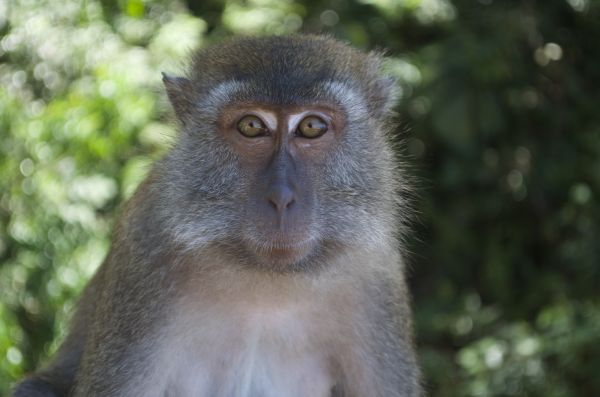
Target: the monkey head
(282, 153)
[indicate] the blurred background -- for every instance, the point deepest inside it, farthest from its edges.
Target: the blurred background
(500, 115)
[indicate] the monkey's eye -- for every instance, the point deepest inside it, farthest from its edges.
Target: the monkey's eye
(312, 127)
(252, 126)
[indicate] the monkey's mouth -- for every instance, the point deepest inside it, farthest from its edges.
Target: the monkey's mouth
(283, 252)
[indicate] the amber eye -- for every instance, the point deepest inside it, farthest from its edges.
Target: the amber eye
(252, 126)
(312, 127)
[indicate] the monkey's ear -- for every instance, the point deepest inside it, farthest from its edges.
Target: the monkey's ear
(388, 94)
(178, 91)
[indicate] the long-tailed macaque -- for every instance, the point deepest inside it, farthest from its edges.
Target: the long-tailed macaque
(261, 257)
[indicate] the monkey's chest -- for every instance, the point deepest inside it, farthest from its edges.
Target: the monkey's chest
(263, 354)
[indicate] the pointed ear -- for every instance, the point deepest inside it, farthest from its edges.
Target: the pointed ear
(384, 90)
(388, 94)
(179, 91)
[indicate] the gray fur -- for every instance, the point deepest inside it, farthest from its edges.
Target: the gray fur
(187, 221)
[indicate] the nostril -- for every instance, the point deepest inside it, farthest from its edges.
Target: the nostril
(289, 204)
(281, 198)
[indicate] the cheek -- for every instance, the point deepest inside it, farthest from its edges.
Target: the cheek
(349, 171)
(205, 170)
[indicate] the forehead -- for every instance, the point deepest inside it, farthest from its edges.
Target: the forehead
(289, 67)
(285, 70)
(329, 95)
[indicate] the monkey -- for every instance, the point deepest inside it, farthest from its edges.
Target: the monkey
(263, 254)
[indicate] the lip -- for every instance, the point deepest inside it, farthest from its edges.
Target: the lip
(282, 252)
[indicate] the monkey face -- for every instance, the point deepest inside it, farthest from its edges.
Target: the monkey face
(282, 154)
(282, 150)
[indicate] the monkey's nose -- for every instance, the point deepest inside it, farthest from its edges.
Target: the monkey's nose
(281, 197)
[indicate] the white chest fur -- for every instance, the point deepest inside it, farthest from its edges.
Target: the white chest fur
(244, 351)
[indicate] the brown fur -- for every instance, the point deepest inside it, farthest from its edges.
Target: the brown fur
(182, 306)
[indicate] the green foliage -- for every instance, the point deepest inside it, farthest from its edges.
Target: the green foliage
(79, 121)
(499, 99)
